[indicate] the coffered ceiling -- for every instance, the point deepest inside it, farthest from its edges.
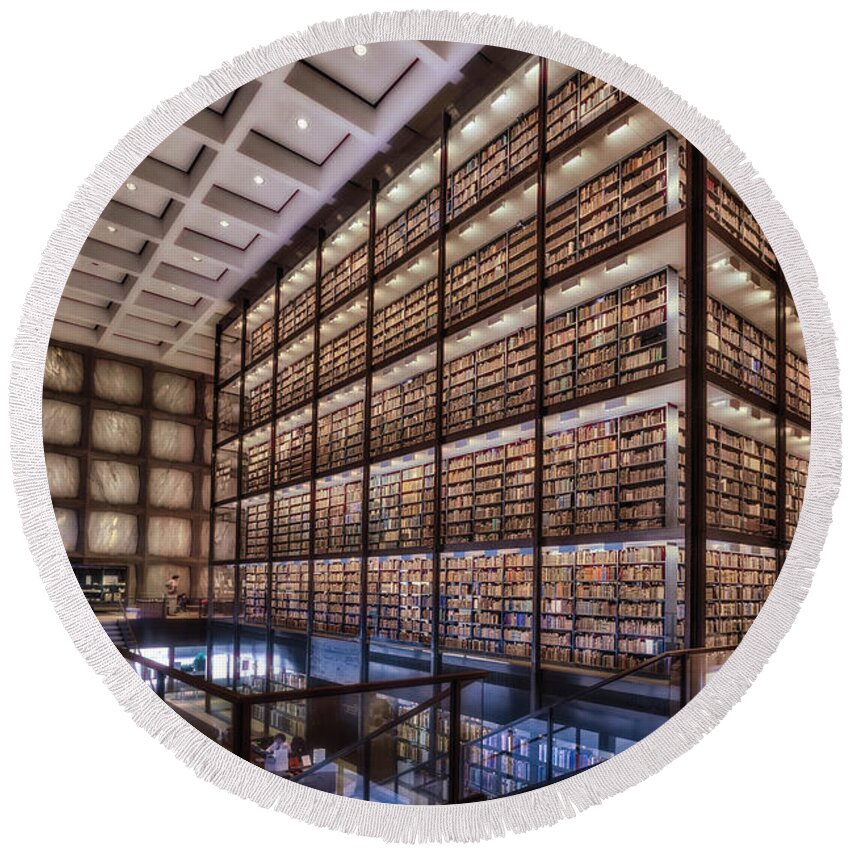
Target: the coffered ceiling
(234, 186)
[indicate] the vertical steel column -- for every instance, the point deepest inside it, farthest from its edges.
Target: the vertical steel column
(367, 428)
(539, 400)
(211, 530)
(237, 608)
(278, 277)
(781, 413)
(314, 445)
(455, 749)
(436, 660)
(695, 384)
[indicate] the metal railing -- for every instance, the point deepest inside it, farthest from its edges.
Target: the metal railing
(546, 745)
(245, 722)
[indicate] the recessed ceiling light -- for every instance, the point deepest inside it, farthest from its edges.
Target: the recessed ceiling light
(196, 258)
(470, 125)
(259, 179)
(131, 186)
(360, 49)
(111, 228)
(302, 123)
(224, 223)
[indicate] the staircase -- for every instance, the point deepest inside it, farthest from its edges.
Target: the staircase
(119, 631)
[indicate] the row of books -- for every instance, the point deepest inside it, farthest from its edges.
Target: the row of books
(741, 488)
(614, 338)
(635, 193)
(725, 207)
(608, 475)
(611, 607)
(737, 585)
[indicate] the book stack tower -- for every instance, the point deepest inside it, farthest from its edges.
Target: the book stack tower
(482, 417)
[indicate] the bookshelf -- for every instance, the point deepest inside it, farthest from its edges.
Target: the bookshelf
(486, 602)
(290, 584)
(342, 357)
(398, 598)
(738, 579)
(796, 473)
(225, 471)
(740, 482)
(256, 462)
(346, 277)
(102, 585)
(619, 473)
(489, 494)
(294, 383)
(490, 383)
(254, 580)
(336, 596)
(408, 230)
(405, 322)
(456, 289)
(291, 526)
(723, 206)
(255, 529)
(401, 504)
(738, 350)
(511, 152)
(499, 270)
(340, 438)
(403, 414)
(296, 315)
(337, 514)
(638, 191)
(628, 334)
(798, 392)
(293, 449)
(610, 607)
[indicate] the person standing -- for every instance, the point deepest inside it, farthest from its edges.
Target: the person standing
(171, 587)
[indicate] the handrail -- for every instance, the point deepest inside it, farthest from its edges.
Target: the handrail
(127, 624)
(195, 681)
(202, 683)
(584, 692)
(367, 687)
(390, 724)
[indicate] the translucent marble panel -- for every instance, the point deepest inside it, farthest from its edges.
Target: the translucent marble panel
(173, 393)
(205, 539)
(118, 382)
(69, 527)
(170, 488)
(61, 423)
(63, 475)
(169, 536)
(116, 432)
(224, 543)
(156, 575)
(206, 488)
(112, 533)
(172, 441)
(113, 482)
(63, 370)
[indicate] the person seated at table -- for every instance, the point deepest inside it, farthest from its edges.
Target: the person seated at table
(296, 755)
(277, 754)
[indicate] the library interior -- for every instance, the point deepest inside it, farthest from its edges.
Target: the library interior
(426, 422)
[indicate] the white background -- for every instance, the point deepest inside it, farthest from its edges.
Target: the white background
(76, 77)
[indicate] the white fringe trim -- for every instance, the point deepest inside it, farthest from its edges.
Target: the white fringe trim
(476, 821)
